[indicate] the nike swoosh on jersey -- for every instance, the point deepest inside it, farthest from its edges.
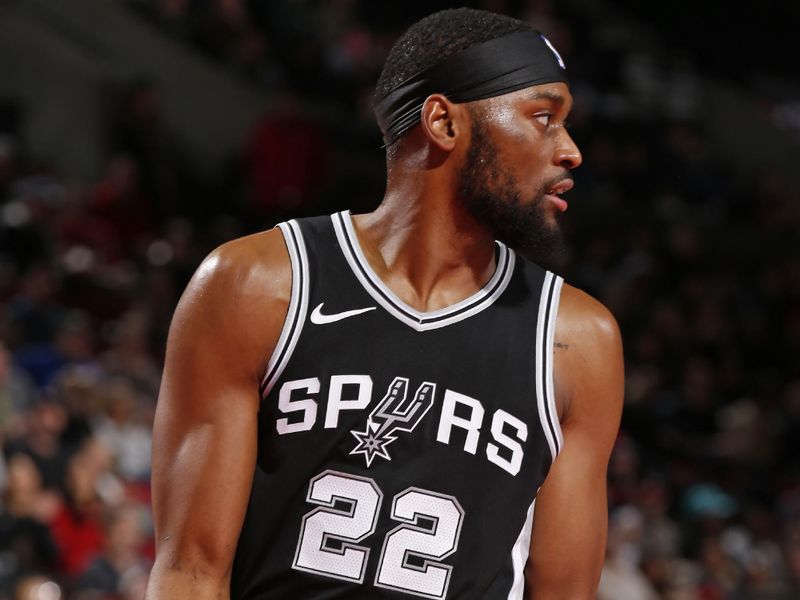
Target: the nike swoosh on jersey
(319, 319)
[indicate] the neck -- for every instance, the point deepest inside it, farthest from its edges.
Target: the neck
(424, 245)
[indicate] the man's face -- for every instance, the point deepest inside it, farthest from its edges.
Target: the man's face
(517, 163)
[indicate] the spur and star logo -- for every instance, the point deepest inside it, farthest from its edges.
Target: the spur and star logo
(394, 414)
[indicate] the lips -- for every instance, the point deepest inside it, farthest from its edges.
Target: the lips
(561, 187)
(552, 194)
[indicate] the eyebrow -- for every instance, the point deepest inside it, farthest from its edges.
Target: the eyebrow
(543, 95)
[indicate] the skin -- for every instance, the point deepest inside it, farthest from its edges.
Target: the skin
(430, 251)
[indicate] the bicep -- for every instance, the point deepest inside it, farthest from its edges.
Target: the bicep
(205, 431)
(204, 446)
(569, 529)
(570, 520)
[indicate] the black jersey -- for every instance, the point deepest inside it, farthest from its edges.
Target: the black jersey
(399, 451)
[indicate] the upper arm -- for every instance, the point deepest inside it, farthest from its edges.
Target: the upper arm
(570, 522)
(204, 437)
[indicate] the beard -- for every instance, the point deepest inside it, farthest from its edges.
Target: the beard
(490, 194)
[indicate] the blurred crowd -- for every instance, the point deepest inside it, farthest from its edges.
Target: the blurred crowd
(699, 261)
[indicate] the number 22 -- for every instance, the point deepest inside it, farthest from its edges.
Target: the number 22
(347, 514)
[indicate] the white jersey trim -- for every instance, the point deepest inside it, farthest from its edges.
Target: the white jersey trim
(545, 335)
(551, 335)
(519, 556)
(386, 298)
(298, 306)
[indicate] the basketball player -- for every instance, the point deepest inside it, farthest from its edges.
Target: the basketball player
(398, 404)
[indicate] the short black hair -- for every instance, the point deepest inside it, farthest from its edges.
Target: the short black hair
(438, 36)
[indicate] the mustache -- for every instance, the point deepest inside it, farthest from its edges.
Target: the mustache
(551, 183)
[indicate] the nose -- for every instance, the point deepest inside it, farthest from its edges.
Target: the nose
(567, 154)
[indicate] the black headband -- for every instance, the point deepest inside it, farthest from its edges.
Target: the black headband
(499, 66)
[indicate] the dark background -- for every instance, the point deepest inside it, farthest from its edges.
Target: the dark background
(137, 136)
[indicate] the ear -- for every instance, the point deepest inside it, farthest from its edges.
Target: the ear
(442, 121)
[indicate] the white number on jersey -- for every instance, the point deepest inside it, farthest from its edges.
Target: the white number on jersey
(430, 531)
(348, 512)
(328, 534)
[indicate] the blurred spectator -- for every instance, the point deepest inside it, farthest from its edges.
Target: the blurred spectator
(118, 202)
(120, 570)
(39, 437)
(79, 228)
(125, 429)
(73, 343)
(144, 153)
(34, 312)
(16, 391)
(77, 526)
(622, 577)
(25, 541)
(287, 156)
(129, 353)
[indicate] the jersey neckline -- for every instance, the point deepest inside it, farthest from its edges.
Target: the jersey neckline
(386, 298)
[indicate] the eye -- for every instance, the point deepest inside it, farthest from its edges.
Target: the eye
(543, 118)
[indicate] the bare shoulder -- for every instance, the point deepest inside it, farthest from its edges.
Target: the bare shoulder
(587, 352)
(255, 263)
(239, 296)
(255, 268)
(582, 317)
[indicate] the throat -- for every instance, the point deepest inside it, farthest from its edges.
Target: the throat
(421, 268)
